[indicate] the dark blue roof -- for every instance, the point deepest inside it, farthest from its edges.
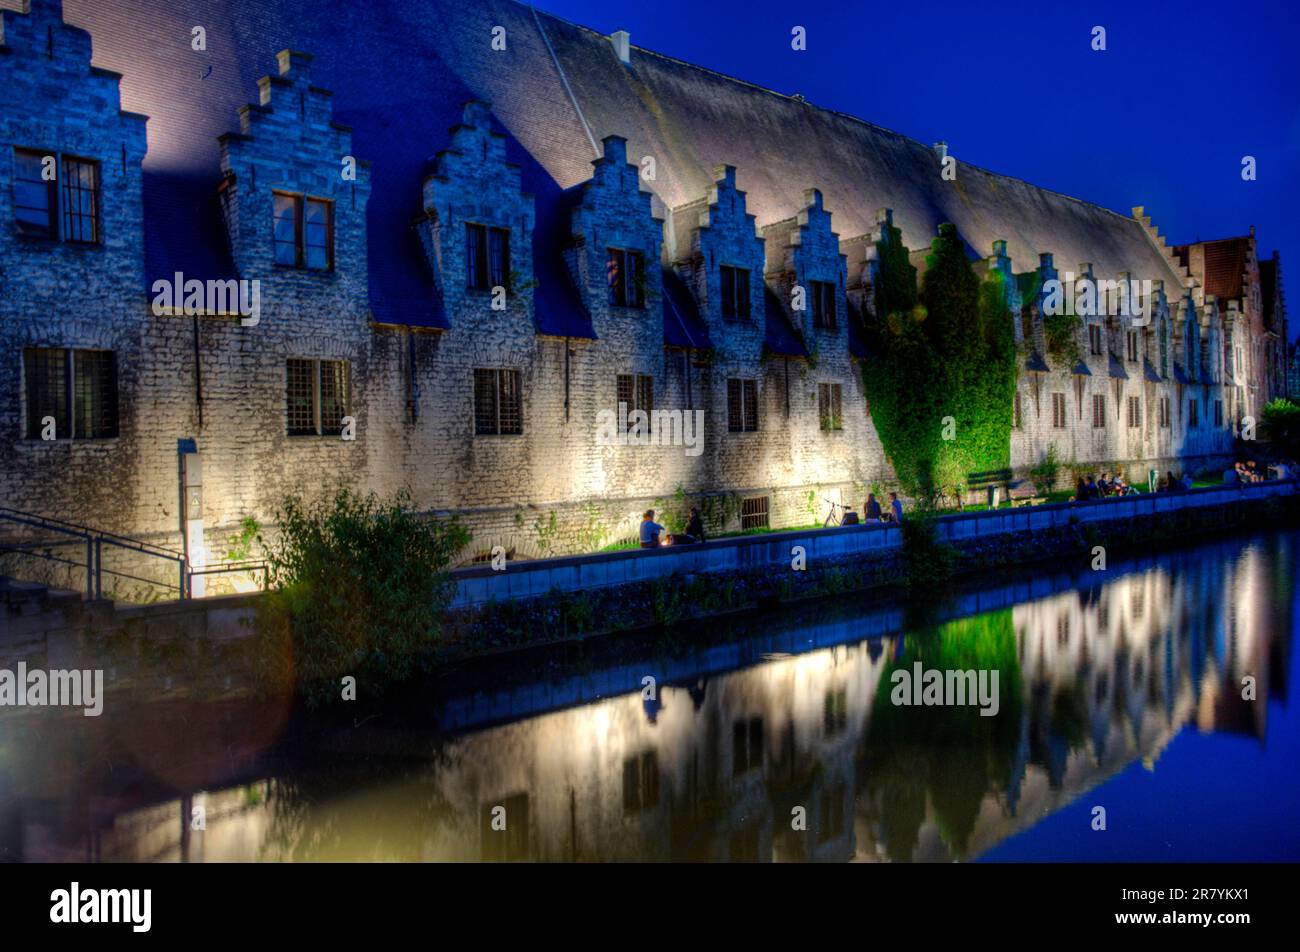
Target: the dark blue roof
(1036, 363)
(857, 333)
(1149, 372)
(1081, 370)
(1116, 369)
(782, 339)
(683, 326)
(1181, 376)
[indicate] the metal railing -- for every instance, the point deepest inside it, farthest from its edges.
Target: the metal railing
(48, 539)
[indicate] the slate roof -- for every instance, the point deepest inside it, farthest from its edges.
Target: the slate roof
(683, 326)
(400, 73)
(1116, 368)
(1149, 372)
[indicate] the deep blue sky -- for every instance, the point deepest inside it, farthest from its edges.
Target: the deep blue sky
(1162, 118)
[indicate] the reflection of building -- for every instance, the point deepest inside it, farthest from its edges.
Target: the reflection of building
(717, 768)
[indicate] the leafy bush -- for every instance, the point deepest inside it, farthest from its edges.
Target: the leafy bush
(357, 587)
(1045, 473)
(1281, 419)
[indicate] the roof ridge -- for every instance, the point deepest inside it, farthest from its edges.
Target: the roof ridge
(825, 109)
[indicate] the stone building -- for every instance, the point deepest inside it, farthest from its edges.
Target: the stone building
(445, 242)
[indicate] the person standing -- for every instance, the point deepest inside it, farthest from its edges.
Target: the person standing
(896, 505)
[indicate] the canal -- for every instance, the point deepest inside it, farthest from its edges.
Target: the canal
(1143, 714)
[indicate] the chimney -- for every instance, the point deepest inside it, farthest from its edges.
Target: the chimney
(622, 45)
(941, 150)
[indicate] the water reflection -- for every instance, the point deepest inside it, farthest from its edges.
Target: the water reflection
(798, 757)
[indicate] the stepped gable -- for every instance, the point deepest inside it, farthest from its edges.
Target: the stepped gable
(401, 72)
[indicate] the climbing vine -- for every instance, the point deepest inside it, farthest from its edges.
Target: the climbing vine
(943, 377)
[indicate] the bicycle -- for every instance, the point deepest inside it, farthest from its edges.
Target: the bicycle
(833, 517)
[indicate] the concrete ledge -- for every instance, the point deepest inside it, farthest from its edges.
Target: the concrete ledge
(480, 584)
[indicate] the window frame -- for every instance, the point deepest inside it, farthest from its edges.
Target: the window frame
(501, 424)
(1096, 345)
(736, 301)
(640, 388)
(1098, 411)
(300, 201)
(72, 412)
(1064, 416)
(746, 390)
(625, 275)
(59, 194)
(823, 300)
(830, 396)
(317, 367)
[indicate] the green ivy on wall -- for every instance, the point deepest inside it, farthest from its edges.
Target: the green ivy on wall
(943, 377)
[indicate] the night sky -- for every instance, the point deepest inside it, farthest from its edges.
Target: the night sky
(1162, 118)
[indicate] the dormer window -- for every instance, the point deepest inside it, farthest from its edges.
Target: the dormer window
(304, 232)
(823, 305)
(735, 293)
(40, 206)
(1133, 346)
(626, 273)
(487, 257)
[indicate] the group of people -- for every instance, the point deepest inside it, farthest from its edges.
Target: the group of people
(876, 514)
(1248, 472)
(1093, 488)
(652, 533)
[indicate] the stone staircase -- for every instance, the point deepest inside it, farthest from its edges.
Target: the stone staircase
(30, 612)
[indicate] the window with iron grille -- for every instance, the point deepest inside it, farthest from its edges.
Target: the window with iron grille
(1094, 339)
(636, 392)
(303, 232)
(1098, 410)
(1218, 413)
(626, 273)
(1193, 413)
(1164, 412)
(823, 301)
(498, 408)
(1058, 411)
(1134, 412)
(735, 293)
(59, 379)
(317, 396)
(35, 199)
(487, 257)
(753, 513)
(829, 406)
(1133, 345)
(742, 406)
(80, 200)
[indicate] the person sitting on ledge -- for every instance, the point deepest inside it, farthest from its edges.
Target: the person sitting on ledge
(896, 505)
(872, 508)
(1232, 475)
(695, 526)
(1187, 480)
(650, 530)
(1080, 490)
(1091, 490)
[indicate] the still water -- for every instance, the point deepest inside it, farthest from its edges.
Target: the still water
(770, 738)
